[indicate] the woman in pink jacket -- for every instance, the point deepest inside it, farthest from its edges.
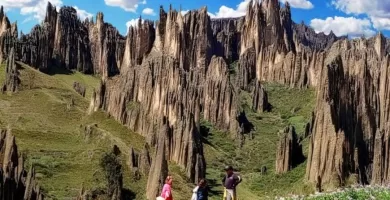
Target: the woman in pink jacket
(166, 192)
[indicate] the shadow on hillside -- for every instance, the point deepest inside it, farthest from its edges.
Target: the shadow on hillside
(53, 70)
(128, 194)
(205, 132)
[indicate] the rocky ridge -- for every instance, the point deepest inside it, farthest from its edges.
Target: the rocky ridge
(350, 112)
(16, 182)
(289, 152)
(64, 41)
(12, 80)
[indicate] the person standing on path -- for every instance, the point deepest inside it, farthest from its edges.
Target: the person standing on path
(166, 192)
(230, 182)
(202, 192)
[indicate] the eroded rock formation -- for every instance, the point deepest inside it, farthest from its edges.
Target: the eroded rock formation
(8, 35)
(220, 99)
(260, 99)
(106, 47)
(289, 152)
(226, 34)
(159, 169)
(144, 161)
(140, 162)
(63, 41)
(16, 182)
(12, 80)
(350, 128)
(139, 42)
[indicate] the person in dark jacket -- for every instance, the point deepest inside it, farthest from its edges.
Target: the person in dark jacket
(202, 193)
(230, 182)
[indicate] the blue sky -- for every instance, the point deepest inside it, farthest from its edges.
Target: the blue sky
(352, 17)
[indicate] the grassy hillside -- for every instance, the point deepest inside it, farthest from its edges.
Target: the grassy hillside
(51, 136)
(290, 106)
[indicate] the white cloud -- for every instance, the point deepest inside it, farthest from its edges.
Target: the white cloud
(83, 14)
(226, 12)
(240, 10)
(133, 23)
(303, 4)
(148, 11)
(34, 9)
(351, 26)
(377, 10)
(184, 12)
(381, 23)
(127, 5)
(354, 6)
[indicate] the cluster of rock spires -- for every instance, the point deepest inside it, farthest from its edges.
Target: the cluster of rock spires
(178, 71)
(12, 81)
(63, 40)
(289, 153)
(15, 181)
(349, 134)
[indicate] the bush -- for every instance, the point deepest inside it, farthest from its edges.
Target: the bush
(112, 169)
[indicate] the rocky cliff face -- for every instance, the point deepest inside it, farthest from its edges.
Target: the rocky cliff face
(289, 152)
(349, 132)
(220, 98)
(227, 37)
(12, 80)
(144, 95)
(16, 182)
(159, 169)
(260, 99)
(139, 42)
(106, 47)
(64, 41)
(8, 35)
(140, 162)
(71, 42)
(305, 36)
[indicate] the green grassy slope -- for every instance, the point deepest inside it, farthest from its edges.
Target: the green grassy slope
(51, 136)
(290, 106)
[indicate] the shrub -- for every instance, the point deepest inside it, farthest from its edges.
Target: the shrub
(112, 168)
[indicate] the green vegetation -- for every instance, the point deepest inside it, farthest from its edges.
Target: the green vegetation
(52, 138)
(290, 107)
(233, 68)
(112, 168)
(132, 105)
